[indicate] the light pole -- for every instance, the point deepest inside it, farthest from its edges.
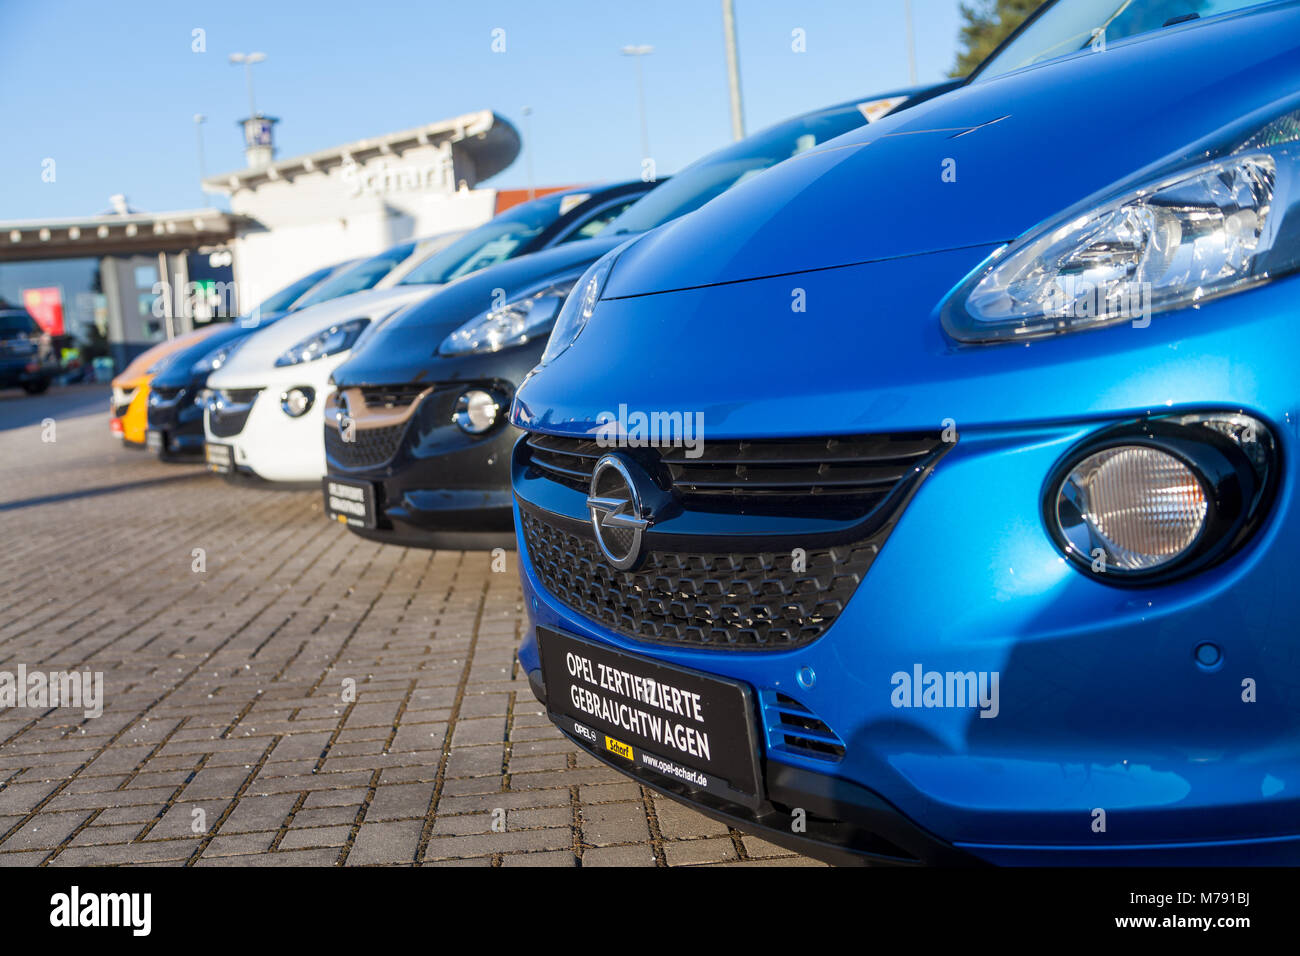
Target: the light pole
(911, 43)
(528, 148)
(733, 70)
(637, 52)
(248, 59)
(199, 120)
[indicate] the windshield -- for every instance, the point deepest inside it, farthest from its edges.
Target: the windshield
(291, 293)
(716, 173)
(1069, 26)
(361, 276)
(495, 241)
(14, 324)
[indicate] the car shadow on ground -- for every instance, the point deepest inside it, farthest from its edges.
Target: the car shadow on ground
(102, 490)
(20, 410)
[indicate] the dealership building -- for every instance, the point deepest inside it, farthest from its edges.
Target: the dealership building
(123, 280)
(294, 215)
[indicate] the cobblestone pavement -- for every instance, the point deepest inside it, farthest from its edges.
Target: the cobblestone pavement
(226, 736)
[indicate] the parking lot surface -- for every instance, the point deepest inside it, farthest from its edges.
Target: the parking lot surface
(276, 690)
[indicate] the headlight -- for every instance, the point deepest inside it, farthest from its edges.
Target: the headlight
(580, 305)
(216, 358)
(515, 323)
(335, 339)
(1183, 236)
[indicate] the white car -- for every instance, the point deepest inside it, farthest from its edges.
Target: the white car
(265, 409)
(264, 413)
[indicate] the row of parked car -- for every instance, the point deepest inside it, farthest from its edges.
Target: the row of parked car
(391, 378)
(918, 490)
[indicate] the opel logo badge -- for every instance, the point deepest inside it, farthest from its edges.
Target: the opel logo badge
(617, 511)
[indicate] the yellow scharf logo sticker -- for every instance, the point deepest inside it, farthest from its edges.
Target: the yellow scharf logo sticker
(618, 747)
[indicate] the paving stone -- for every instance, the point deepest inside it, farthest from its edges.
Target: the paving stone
(223, 689)
(686, 852)
(386, 842)
(298, 839)
(638, 855)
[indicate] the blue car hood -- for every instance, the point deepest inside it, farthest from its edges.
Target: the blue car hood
(1023, 148)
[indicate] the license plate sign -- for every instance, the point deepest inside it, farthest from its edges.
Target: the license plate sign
(678, 724)
(350, 502)
(155, 441)
(220, 458)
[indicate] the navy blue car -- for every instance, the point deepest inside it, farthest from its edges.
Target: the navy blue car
(931, 497)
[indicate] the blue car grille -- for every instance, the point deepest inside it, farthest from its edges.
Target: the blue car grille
(783, 476)
(695, 594)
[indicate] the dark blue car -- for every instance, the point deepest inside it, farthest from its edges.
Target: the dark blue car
(931, 497)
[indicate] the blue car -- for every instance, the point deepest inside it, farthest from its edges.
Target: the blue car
(930, 497)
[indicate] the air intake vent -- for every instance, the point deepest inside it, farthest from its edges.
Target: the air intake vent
(391, 396)
(793, 728)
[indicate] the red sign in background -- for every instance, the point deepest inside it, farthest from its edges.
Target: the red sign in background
(46, 307)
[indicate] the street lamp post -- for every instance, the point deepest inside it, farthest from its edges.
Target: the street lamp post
(248, 59)
(528, 148)
(637, 52)
(733, 70)
(199, 120)
(911, 43)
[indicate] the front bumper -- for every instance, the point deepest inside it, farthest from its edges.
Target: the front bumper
(266, 442)
(839, 821)
(1105, 715)
(176, 412)
(435, 485)
(134, 416)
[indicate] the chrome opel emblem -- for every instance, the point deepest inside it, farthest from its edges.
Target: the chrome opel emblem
(617, 512)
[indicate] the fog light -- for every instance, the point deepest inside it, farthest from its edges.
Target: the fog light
(1149, 500)
(1133, 507)
(296, 402)
(476, 411)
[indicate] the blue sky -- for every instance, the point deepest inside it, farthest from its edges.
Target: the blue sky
(109, 90)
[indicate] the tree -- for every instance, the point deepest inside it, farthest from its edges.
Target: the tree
(987, 23)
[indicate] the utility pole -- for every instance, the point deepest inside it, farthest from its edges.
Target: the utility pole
(248, 59)
(911, 43)
(528, 148)
(733, 69)
(637, 52)
(199, 120)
